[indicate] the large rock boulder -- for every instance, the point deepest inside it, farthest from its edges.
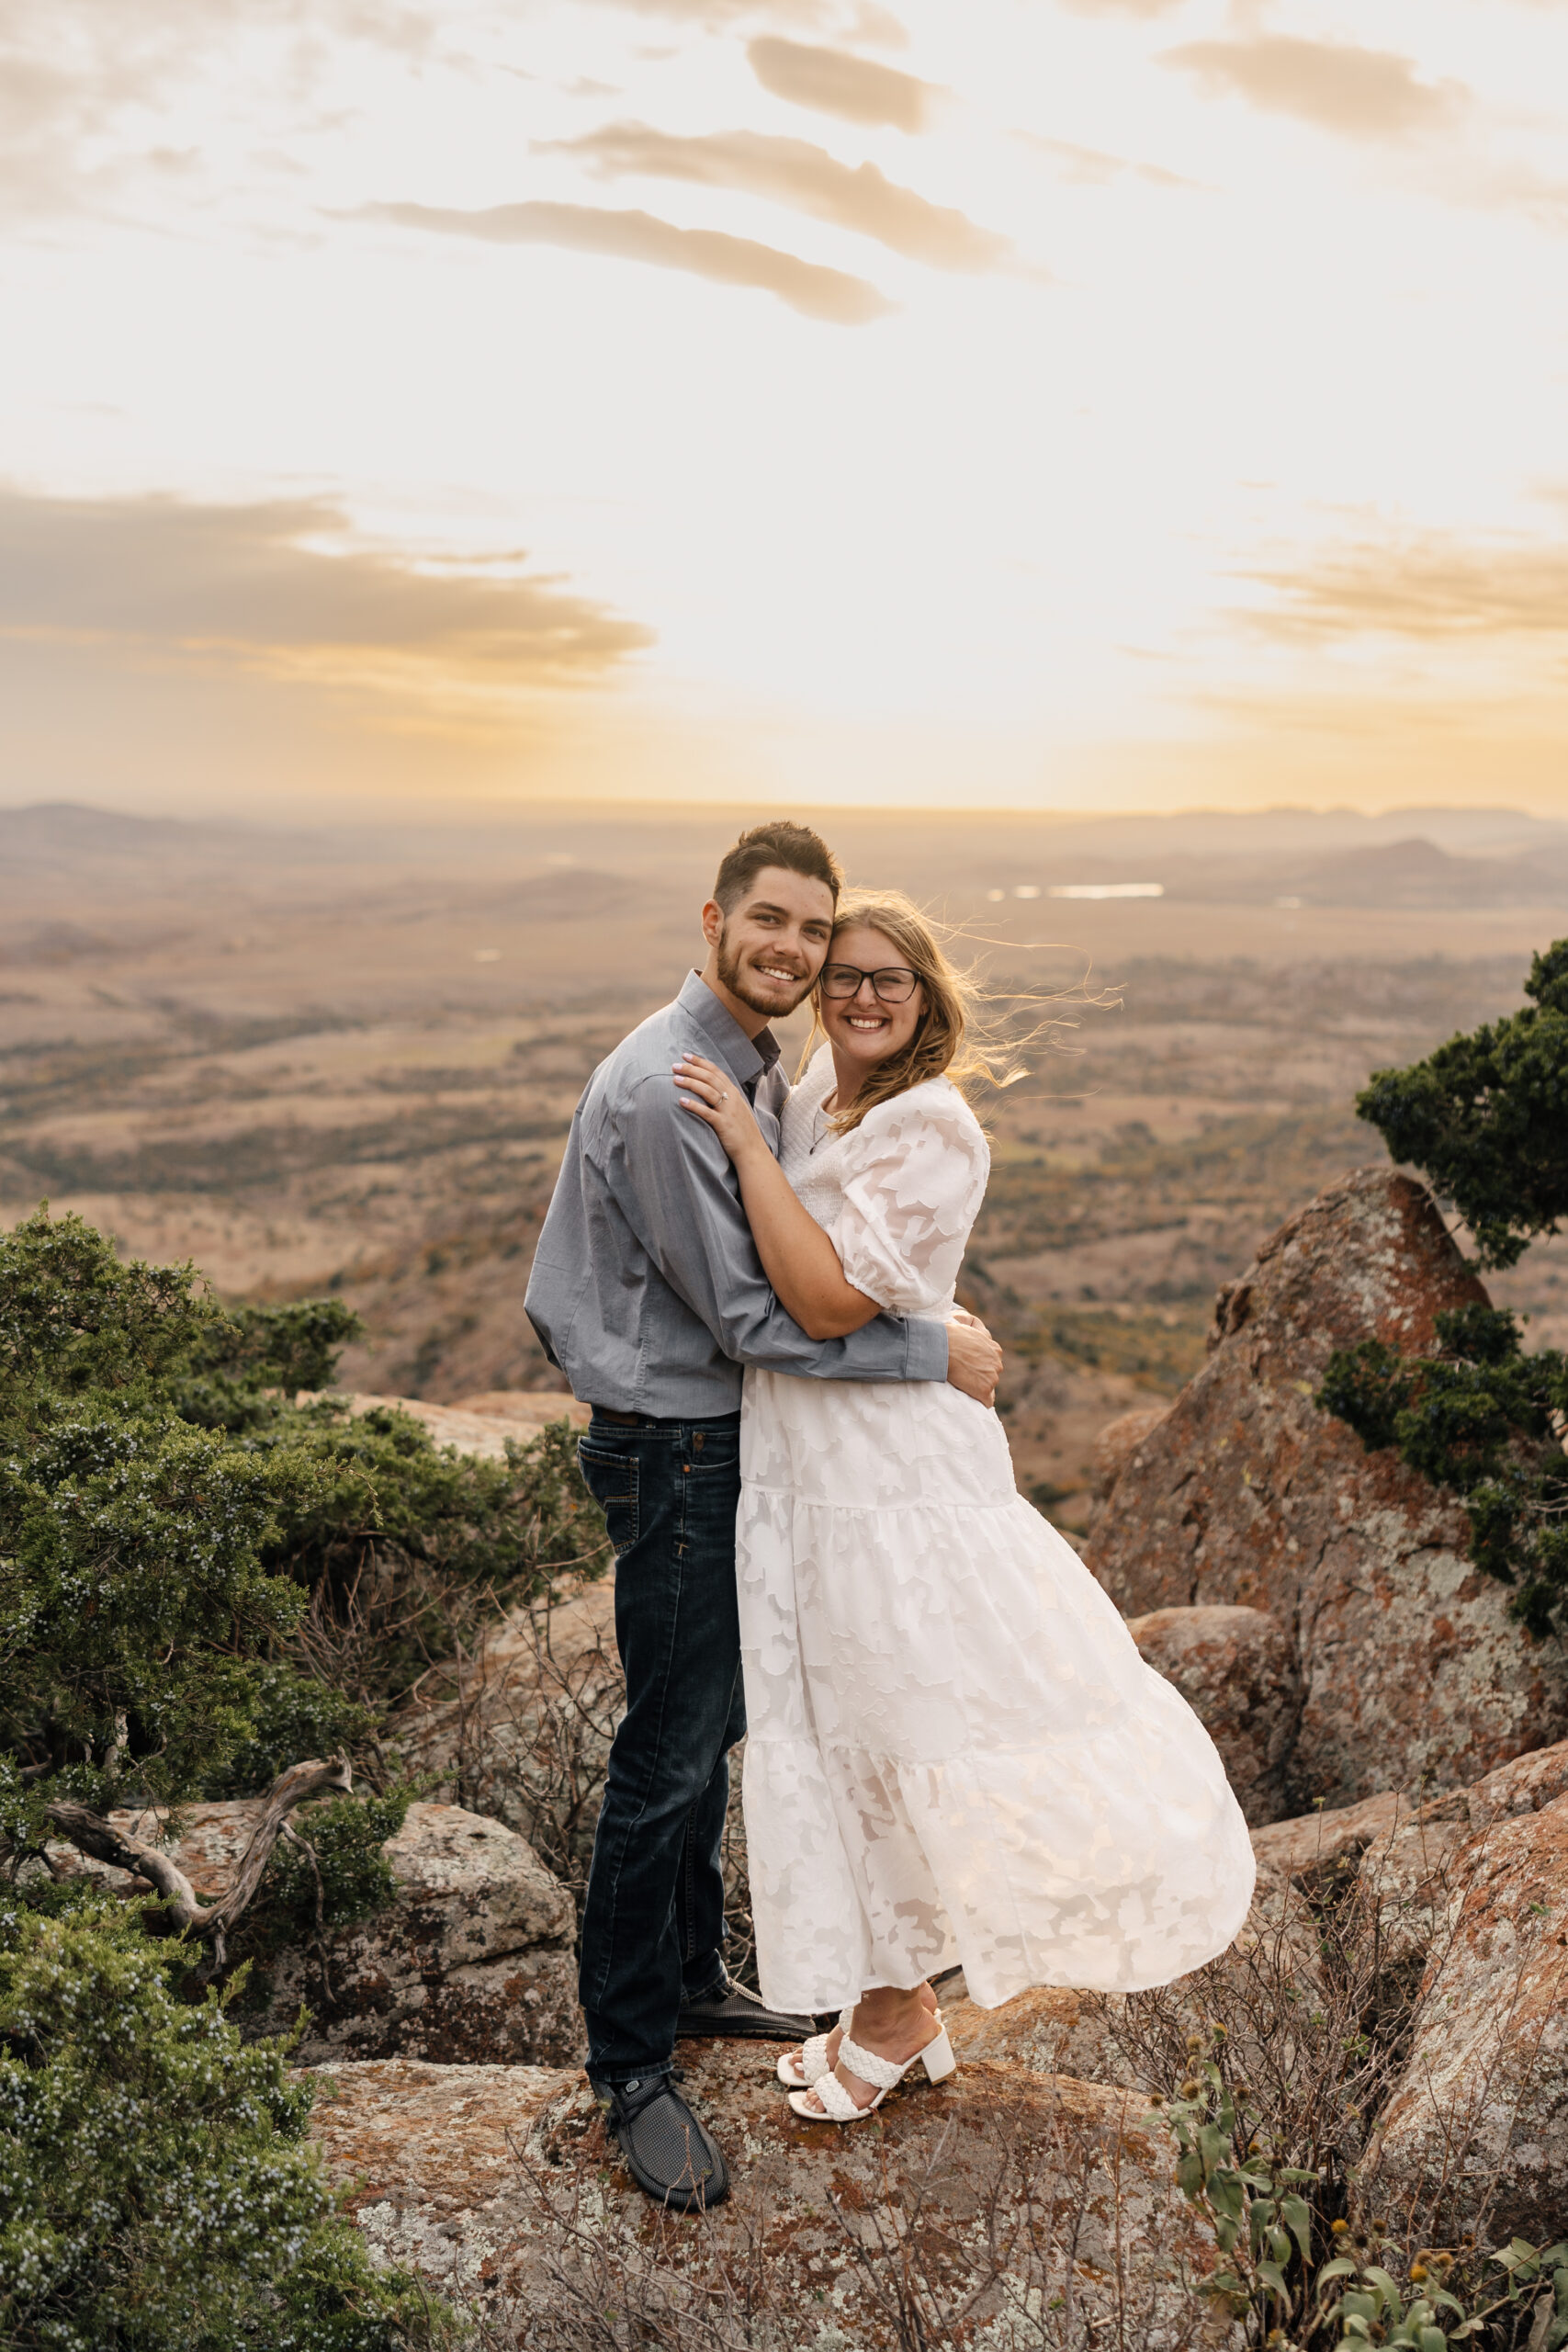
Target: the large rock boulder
(1236, 1669)
(1245, 1495)
(1119, 1445)
(1321, 1851)
(1527, 1785)
(472, 1960)
(1476, 2135)
(981, 2198)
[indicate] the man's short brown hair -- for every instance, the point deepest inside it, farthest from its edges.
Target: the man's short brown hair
(794, 847)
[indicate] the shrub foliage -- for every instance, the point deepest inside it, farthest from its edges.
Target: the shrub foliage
(1484, 1418)
(199, 1576)
(1486, 1118)
(154, 2192)
(205, 1574)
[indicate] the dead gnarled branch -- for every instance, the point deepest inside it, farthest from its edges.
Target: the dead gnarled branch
(99, 1837)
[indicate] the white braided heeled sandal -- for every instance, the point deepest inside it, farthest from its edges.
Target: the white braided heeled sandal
(937, 2058)
(802, 2069)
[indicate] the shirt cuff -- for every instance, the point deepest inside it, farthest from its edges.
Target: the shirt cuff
(926, 1351)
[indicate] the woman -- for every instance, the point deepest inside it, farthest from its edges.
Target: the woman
(956, 1753)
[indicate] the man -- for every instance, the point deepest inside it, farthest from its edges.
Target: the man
(647, 1293)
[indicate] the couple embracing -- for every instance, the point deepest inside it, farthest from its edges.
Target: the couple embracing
(955, 1754)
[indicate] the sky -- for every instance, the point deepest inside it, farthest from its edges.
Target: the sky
(1035, 403)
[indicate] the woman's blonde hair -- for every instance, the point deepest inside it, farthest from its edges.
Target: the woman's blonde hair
(950, 1039)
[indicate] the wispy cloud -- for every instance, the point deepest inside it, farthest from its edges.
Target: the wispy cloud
(817, 293)
(793, 172)
(1360, 93)
(1432, 585)
(1092, 167)
(279, 580)
(852, 20)
(715, 14)
(1504, 184)
(833, 80)
(80, 78)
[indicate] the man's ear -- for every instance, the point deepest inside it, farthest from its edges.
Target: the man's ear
(713, 923)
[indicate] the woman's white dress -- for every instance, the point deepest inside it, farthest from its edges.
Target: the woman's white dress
(954, 1753)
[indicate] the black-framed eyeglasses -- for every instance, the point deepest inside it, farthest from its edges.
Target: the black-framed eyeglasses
(893, 984)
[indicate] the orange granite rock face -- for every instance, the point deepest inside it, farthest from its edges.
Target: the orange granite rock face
(1236, 1669)
(499, 2185)
(1245, 1495)
(1476, 2135)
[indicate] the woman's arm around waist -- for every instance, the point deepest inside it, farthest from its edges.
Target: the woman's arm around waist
(798, 1257)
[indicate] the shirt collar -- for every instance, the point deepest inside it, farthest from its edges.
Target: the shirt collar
(744, 1057)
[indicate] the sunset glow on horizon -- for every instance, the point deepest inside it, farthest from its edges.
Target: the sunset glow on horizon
(1031, 404)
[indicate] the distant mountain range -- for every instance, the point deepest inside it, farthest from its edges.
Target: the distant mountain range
(552, 863)
(63, 837)
(1413, 873)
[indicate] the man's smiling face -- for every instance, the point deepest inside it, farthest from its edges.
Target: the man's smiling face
(769, 949)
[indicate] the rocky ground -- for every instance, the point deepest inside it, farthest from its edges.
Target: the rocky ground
(1004, 2189)
(1042, 2168)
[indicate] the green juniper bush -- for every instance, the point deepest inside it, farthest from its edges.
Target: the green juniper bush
(1485, 1118)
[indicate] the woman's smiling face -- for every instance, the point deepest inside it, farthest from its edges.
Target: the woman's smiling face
(862, 1029)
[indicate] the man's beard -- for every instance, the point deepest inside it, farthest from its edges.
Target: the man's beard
(733, 975)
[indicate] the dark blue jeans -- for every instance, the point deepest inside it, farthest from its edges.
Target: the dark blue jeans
(653, 1926)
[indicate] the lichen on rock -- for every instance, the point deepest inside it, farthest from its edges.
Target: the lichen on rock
(1245, 1495)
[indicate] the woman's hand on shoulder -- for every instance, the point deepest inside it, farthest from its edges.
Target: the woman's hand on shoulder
(710, 1093)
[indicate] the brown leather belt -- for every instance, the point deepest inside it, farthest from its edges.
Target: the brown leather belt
(628, 1420)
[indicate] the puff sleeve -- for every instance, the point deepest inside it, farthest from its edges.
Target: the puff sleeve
(915, 1179)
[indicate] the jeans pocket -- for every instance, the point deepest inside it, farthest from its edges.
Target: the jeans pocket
(711, 1450)
(712, 1465)
(611, 1480)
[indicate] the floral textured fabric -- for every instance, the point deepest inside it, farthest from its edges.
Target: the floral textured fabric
(956, 1753)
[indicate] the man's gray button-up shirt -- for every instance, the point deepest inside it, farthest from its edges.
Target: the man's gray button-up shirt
(647, 1290)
